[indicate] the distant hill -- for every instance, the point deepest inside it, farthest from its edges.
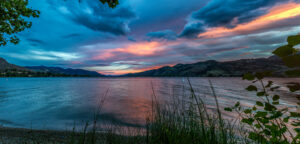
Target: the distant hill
(4, 66)
(214, 68)
(209, 68)
(68, 71)
(11, 70)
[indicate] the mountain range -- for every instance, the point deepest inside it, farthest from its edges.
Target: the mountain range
(210, 68)
(8, 70)
(4, 65)
(66, 71)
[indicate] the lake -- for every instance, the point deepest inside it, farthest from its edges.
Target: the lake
(61, 103)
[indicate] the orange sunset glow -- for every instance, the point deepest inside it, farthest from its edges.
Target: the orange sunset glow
(277, 13)
(137, 36)
(139, 49)
(127, 71)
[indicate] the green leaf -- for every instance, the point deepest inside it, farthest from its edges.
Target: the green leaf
(274, 88)
(293, 86)
(294, 114)
(247, 111)
(297, 130)
(259, 103)
(254, 108)
(260, 93)
(257, 137)
(293, 40)
(263, 120)
(261, 114)
(292, 61)
(237, 104)
(248, 120)
(248, 76)
(286, 119)
(293, 73)
(284, 51)
(267, 132)
(270, 83)
(296, 124)
(276, 97)
(276, 115)
(269, 107)
(228, 109)
(251, 88)
(257, 126)
(275, 103)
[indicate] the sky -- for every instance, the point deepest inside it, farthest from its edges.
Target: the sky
(140, 35)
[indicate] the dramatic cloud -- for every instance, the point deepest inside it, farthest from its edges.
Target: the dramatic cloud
(139, 35)
(227, 14)
(192, 30)
(231, 12)
(131, 49)
(166, 34)
(98, 17)
(279, 17)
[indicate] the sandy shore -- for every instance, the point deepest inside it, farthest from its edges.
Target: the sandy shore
(27, 136)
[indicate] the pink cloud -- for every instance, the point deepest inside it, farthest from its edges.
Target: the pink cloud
(143, 48)
(276, 14)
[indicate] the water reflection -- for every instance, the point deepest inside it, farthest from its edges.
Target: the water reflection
(58, 103)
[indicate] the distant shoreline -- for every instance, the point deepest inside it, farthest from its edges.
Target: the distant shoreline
(149, 77)
(10, 135)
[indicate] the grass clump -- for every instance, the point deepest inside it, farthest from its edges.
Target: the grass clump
(184, 119)
(189, 121)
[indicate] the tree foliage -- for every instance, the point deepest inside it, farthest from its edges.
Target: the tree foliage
(111, 3)
(14, 14)
(12, 19)
(269, 121)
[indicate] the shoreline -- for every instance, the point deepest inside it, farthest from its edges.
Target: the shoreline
(10, 135)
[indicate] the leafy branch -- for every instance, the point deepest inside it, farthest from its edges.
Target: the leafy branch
(268, 121)
(12, 19)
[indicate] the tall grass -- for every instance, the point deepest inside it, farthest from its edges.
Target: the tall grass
(183, 119)
(189, 121)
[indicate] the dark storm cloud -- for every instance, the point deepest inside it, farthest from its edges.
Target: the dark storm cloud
(227, 13)
(166, 34)
(222, 13)
(104, 25)
(192, 30)
(114, 22)
(96, 16)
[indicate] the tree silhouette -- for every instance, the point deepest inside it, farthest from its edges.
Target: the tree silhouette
(13, 14)
(12, 19)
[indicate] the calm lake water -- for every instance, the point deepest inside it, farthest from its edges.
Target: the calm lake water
(59, 103)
